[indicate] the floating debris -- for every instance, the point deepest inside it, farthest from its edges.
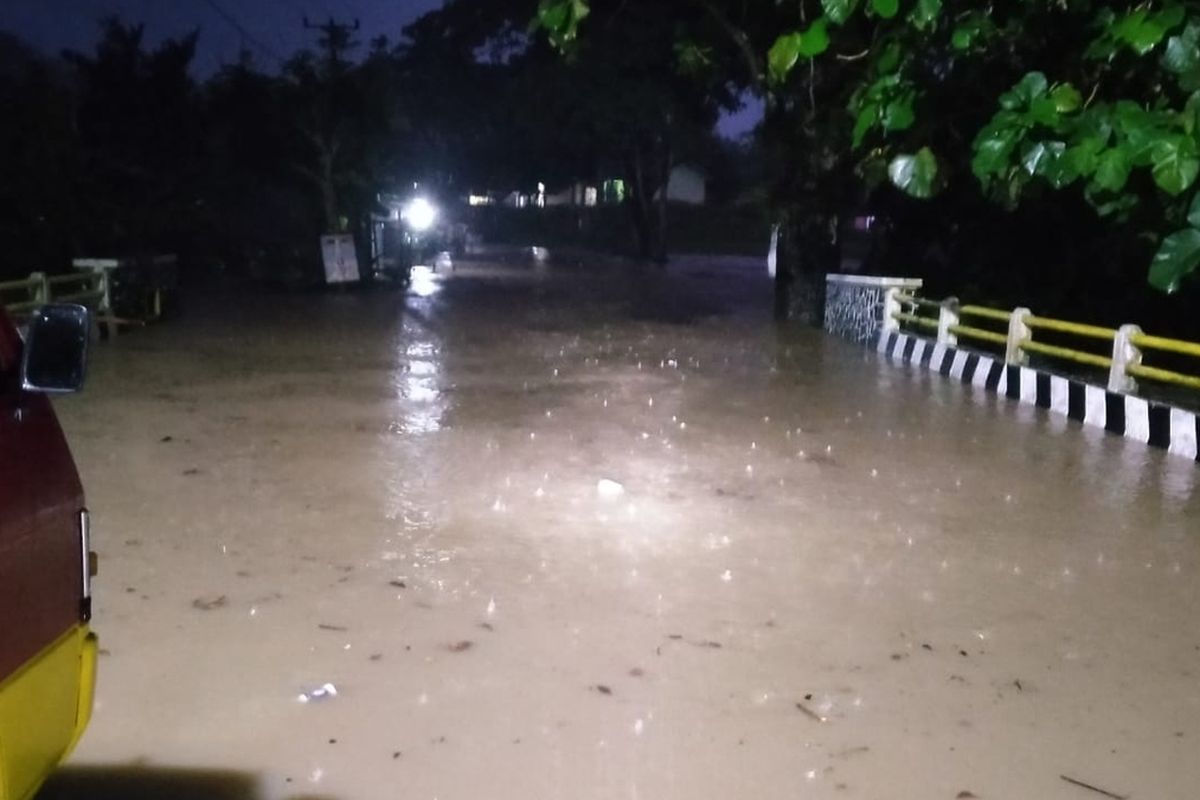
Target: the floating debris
(327, 627)
(609, 489)
(398, 584)
(210, 603)
(1093, 788)
(460, 647)
(808, 712)
(602, 689)
(322, 692)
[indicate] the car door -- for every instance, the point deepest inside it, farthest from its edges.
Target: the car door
(41, 564)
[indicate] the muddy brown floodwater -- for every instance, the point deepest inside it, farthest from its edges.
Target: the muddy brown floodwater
(580, 531)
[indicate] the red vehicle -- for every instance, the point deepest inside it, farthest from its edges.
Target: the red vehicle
(47, 651)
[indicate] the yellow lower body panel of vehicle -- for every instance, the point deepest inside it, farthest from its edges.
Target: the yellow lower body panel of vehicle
(44, 707)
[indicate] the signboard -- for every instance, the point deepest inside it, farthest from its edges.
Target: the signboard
(341, 262)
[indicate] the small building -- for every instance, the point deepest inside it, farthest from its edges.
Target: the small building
(688, 184)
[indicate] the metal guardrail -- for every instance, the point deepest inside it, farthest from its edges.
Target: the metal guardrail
(103, 285)
(84, 288)
(1127, 345)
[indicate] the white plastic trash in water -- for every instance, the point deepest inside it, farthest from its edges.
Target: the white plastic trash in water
(608, 488)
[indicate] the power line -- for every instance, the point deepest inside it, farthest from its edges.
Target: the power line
(246, 35)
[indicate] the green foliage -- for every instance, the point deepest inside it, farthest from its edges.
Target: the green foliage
(788, 48)
(885, 8)
(1178, 257)
(915, 174)
(1117, 115)
(839, 11)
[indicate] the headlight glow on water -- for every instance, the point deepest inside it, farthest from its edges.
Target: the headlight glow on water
(419, 214)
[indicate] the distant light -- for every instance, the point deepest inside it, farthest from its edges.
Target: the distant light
(420, 214)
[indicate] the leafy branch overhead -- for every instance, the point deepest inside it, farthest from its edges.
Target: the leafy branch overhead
(1118, 119)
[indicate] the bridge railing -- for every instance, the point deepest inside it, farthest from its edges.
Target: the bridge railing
(19, 297)
(1120, 351)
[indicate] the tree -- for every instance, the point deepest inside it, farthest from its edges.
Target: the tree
(937, 89)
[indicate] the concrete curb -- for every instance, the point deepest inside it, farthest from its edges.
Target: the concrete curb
(1155, 424)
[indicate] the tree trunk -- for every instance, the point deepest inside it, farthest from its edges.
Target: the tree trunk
(660, 237)
(639, 207)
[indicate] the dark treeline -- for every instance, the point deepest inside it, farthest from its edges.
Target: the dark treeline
(124, 150)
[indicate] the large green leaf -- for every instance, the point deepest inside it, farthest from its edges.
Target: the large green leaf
(815, 40)
(839, 11)
(783, 55)
(1082, 157)
(864, 122)
(1177, 257)
(1066, 98)
(1040, 157)
(1182, 53)
(926, 13)
(898, 113)
(1028, 89)
(915, 175)
(1193, 216)
(993, 149)
(1112, 170)
(885, 8)
(1141, 30)
(1176, 164)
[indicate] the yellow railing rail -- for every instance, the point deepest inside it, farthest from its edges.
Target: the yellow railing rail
(1073, 328)
(1163, 376)
(921, 322)
(979, 333)
(1166, 345)
(1067, 354)
(984, 311)
(1123, 361)
(913, 300)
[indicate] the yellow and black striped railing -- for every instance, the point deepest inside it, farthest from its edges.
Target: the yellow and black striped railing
(1121, 351)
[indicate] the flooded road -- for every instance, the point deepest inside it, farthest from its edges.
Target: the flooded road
(577, 531)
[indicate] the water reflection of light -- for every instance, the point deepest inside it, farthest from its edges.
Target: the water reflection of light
(424, 282)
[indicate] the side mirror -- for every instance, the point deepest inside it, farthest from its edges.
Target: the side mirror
(56, 345)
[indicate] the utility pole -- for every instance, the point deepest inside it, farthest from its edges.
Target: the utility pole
(335, 40)
(324, 130)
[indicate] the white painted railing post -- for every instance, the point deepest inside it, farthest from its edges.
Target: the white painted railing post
(41, 287)
(1019, 333)
(1125, 355)
(891, 307)
(105, 291)
(947, 319)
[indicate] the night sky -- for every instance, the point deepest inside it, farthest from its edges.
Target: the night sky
(273, 29)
